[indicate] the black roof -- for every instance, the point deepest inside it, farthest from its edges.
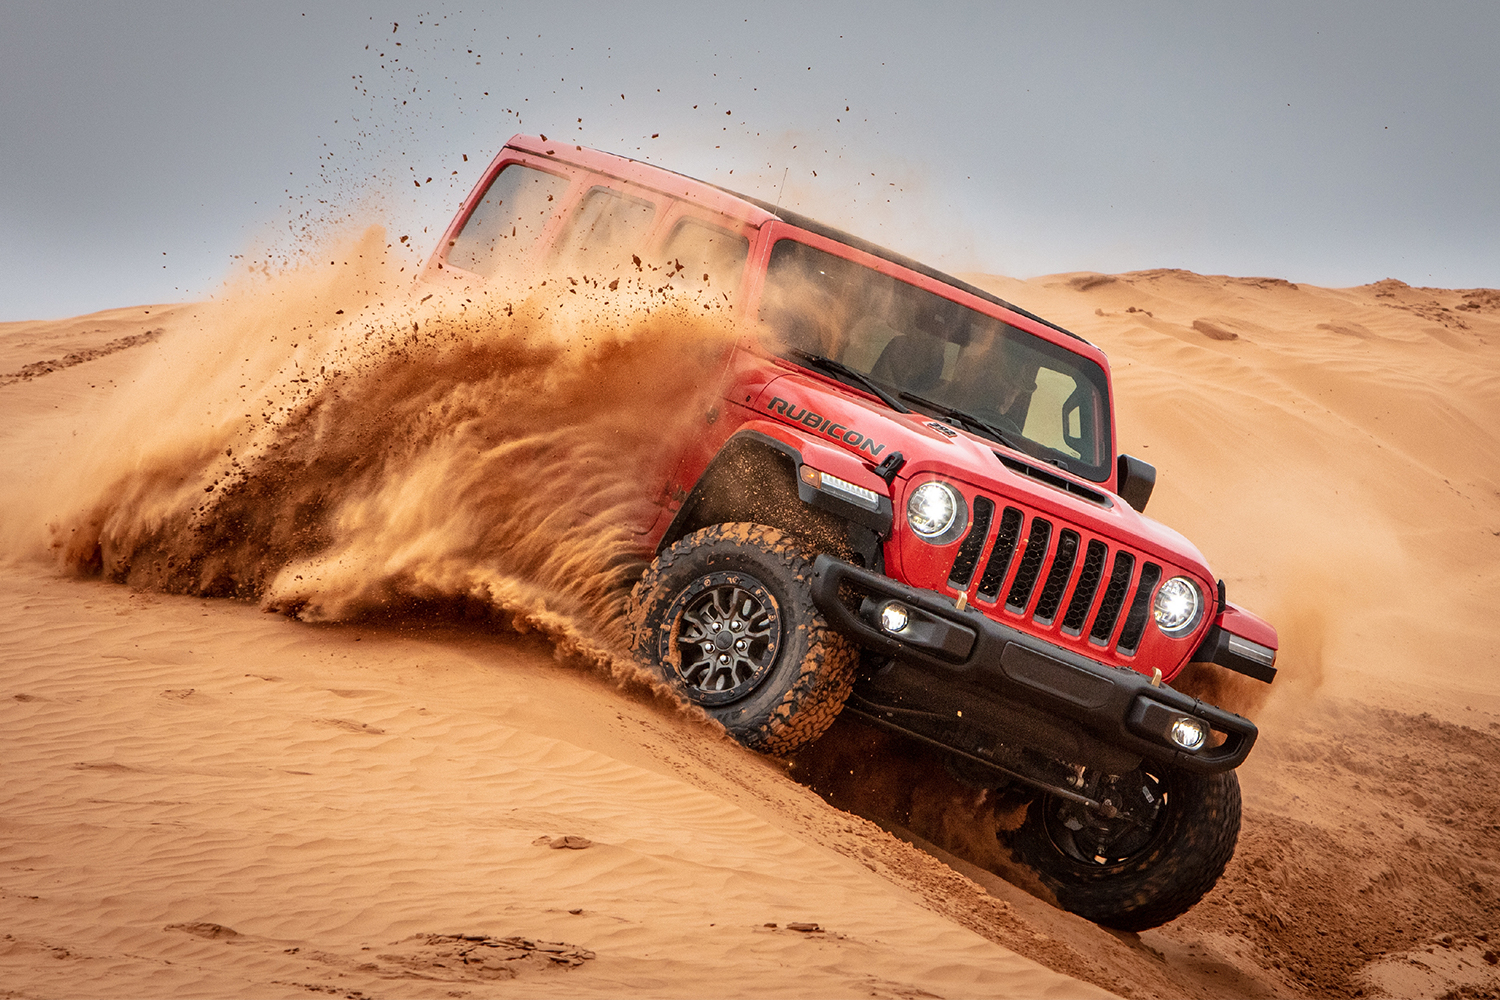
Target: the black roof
(839, 236)
(875, 250)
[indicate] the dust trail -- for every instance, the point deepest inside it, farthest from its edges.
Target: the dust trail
(369, 452)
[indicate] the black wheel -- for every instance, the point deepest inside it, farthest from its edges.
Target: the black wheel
(726, 617)
(1172, 834)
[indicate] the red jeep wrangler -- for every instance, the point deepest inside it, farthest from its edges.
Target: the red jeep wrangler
(907, 505)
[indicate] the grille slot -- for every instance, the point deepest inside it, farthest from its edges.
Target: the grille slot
(1135, 622)
(1089, 579)
(1114, 598)
(1057, 577)
(1080, 585)
(968, 552)
(1031, 566)
(1000, 556)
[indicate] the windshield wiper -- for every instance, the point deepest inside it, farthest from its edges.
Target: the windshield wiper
(839, 368)
(968, 420)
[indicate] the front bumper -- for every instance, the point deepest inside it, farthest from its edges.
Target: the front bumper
(960, 649)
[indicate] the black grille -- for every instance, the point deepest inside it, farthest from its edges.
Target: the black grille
(1057, 577)
(1135, 622)
(1031, 565)
(1088, 585)
(1114, 598)
(1000, 555)
(1083, 588)
(968, 552)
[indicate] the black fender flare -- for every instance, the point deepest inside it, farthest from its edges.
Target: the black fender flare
(867, 526)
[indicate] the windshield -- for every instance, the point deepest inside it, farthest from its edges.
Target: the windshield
(966, 368)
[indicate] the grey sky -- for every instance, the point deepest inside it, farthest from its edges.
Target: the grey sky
(142, 145)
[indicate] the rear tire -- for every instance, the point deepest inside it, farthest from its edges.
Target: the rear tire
(726, 617)
(1134, 875)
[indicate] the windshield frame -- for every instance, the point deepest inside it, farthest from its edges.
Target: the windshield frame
(1043, 338)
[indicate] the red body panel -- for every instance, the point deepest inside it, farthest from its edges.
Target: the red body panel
(846, 432)
(1242, 623)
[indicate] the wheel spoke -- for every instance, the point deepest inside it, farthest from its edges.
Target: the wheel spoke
(728, 635)
(744, 668)
(760, 627)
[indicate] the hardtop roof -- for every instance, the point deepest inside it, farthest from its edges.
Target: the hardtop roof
(706, 191)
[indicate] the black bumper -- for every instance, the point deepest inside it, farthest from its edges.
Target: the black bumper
(960, 649)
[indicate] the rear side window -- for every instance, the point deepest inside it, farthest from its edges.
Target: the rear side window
(606, 229)
(504, 226)
(712, 258)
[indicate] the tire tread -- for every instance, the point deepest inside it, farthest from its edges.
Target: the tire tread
(826, 676)
(1161, 884)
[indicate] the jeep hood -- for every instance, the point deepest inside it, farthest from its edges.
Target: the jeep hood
(829, 410)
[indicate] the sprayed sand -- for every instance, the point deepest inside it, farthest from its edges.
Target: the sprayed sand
(205, 799)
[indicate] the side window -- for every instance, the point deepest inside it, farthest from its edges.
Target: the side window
(712, 258)
(1055, 417)
(605, 230)
(504, 226)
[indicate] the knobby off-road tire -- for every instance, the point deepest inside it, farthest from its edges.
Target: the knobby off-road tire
(726, 617)
(1154, 874)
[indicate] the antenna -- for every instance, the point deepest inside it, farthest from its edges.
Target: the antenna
(782, 188)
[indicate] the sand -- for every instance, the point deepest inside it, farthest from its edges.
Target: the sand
(205, 799)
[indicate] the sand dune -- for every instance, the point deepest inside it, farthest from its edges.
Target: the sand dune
(1338, 461)
(204, 799)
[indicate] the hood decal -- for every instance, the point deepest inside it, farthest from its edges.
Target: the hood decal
(826, 426)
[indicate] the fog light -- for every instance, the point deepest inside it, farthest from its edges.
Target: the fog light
(894, 618)
(1188, 733)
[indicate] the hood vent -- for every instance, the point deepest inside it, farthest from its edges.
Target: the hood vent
(1055, 481)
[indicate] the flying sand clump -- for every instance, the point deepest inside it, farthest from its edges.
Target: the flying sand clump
(337, 448)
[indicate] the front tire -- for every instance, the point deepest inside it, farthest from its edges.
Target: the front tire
(726, 617)
(1150, 864)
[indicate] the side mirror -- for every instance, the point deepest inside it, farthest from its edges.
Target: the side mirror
(1137, 480)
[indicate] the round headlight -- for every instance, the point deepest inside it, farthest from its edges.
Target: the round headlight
(1178, 606)
(932, 509)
